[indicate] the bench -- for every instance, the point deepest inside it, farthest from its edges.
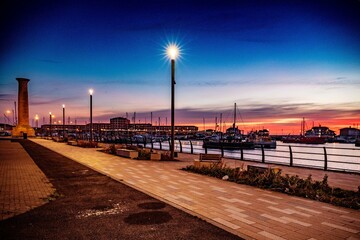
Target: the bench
(207, 160)
(261, 168)
(127, 153)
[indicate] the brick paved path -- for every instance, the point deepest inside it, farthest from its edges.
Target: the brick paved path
(23, 185)
(246, 211)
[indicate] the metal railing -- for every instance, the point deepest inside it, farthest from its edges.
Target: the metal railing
(330, 157)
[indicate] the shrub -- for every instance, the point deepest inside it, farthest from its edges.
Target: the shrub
(110, 149)
(166, 156)
(87, 144)
(293, 185)
(144, 155)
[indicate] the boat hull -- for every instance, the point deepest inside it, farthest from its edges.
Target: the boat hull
(260, 144)
(305, 140)
(229, 145)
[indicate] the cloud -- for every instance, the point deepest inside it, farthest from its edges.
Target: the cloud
(56, 101)
(7, 97)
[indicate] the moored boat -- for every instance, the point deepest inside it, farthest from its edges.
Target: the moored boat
(234, 140)
(228, 145)
(262, 139)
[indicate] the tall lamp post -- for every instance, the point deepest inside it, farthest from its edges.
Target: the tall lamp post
(37, 121)
(172, 52)
(63, 121)
(91, 91)
(50, 123)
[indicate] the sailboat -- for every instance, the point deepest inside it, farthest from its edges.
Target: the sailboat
(233, 141)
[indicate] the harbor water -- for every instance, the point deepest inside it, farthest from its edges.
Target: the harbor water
(329, 156)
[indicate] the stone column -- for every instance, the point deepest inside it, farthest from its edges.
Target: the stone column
(23, 127)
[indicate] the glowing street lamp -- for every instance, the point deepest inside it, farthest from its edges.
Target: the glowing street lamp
(63, 106)
(6, 117)
(36, 121)
(91, 91)
(172, 52)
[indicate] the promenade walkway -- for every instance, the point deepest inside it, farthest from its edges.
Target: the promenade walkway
(249, 212)
(23, 185)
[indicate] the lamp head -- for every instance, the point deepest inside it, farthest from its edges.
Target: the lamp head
(63, 105)
(172, 51)
(91, 91)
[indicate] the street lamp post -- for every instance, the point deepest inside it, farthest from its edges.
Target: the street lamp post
(37, 121)
(50, 123)
(63, 121)
(91, 91)
(172, 52)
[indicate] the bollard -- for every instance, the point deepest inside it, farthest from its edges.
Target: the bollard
(262, 154)
(160, 145)
(222, 150)
(241, 154)
(291, 156)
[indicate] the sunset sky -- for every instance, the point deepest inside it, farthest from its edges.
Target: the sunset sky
(279, 61)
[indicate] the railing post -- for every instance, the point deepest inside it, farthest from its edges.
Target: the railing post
(160, 145)
(262, 154)
(170, 145)
(191, 148)
(180, 146)
(144, 142)
(152, 144)
(241, 154)
(291, 156)
(325, 158)
(205, 150)
(222, 150)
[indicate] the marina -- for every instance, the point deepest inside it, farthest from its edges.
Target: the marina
(329, 156)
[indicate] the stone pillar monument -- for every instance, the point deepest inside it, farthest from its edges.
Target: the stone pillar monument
(23, 129)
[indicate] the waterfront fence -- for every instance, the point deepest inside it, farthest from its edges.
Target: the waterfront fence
(330, 158)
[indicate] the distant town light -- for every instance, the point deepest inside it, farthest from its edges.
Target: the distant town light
(172, 51)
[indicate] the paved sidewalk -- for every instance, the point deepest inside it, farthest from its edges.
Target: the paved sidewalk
(23, 185)
(246, 211)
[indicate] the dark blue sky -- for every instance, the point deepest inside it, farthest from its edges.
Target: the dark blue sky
(264, 55)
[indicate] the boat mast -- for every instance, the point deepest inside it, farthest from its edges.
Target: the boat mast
(303, 127)
(234, 117)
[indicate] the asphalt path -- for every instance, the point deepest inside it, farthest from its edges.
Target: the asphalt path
(89, 205)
